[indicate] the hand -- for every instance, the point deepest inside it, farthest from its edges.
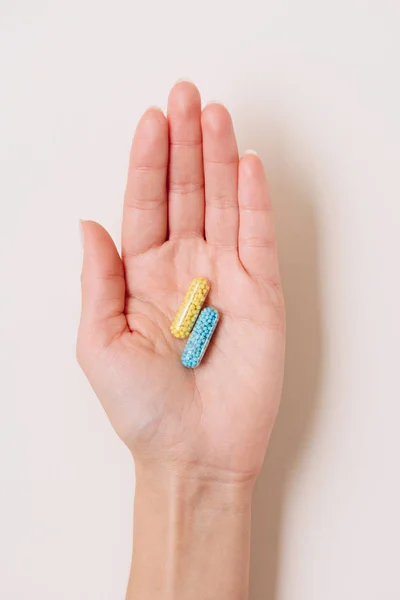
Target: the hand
(192, 209)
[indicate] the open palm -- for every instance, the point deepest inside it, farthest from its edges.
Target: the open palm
(192, 209)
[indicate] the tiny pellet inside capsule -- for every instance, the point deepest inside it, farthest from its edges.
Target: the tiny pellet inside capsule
(200, 338)
(190, 308)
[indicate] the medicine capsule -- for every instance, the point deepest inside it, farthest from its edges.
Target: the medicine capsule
(189, 310)
(200, 337)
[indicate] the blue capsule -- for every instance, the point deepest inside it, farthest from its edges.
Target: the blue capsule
(200, 337)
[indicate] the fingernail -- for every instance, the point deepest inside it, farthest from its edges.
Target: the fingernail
(251, 152)
(155, 107)
(214, 102)
(183, 80)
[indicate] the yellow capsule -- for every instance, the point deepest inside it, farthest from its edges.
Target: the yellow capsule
(189, 310)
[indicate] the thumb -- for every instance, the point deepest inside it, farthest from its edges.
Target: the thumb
(103, 291)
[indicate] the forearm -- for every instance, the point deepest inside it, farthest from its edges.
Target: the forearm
(191, 537)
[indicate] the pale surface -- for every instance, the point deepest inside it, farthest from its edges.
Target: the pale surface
(314, 87)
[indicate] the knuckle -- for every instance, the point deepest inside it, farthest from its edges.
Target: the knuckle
(185, 186)
(221, 200)
(146, 202)
(262, 243)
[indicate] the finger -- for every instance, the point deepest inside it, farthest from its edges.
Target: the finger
(103, 289)
(145, 208)
(186, 177)
(220, 172)
(257, 242)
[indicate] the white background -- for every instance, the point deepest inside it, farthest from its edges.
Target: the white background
(314, 87)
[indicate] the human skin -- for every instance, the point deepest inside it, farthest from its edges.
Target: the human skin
(198, 437)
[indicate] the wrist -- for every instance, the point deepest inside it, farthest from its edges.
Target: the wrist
(193, 484)
(192, 534)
